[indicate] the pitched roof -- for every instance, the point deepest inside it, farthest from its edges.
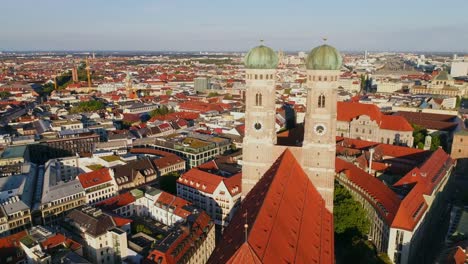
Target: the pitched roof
(208, 182)
(115, 202)
(421, 181)
(347, 111)
(177, 204)
(95, 178)
(181, 240)
(384, 200)
(430, 120)
(278, 227)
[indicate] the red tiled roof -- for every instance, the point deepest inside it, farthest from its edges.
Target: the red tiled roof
(184, 242)
(423, 181)
(207, 182)
(94, 178)
(118, 201)
(175, 202)
(347, 111)
(10, 246)
(58, 240)
(280, 225)
(200, 180)
(382, 195)
(120, 221)
(429, 120)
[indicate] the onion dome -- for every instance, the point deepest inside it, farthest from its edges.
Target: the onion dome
(261, 57)
(324, 57)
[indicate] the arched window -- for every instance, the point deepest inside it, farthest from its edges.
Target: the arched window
(321, 101)
(258, 99)
(261, 76)
(256, 76)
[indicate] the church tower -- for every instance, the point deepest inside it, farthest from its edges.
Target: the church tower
(260, 132)
(319, 146)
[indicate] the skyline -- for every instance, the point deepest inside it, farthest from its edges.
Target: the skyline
(202, 26)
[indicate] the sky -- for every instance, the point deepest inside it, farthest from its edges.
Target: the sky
(233, 25)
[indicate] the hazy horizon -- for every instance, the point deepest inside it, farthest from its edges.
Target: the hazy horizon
(188, 26)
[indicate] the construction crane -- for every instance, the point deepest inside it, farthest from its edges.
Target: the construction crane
(88, 73)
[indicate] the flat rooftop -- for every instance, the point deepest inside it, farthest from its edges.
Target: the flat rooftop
(14, 152)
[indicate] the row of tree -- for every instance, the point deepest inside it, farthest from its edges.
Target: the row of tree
(351, 226)
(88, 106)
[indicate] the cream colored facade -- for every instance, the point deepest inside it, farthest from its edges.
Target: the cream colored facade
(317, 154)
(204, 250)
(364, 128)
(219, 205)
(111, 247)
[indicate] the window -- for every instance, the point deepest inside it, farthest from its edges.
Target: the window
(321, 101)
(258, 99)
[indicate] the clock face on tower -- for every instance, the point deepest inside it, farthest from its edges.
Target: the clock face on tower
(320, 129)
(258, 126)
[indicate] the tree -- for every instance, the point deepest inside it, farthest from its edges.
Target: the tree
(212, 94)
(5, 94)
(89, 106)
(435, 142)
(348, 214)
(161, 111)
(419, 135)
(351, 229)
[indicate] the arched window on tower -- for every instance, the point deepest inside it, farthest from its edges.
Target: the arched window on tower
(258, 99)
(321, 101)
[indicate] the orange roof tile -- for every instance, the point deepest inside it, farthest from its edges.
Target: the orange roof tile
(175, 202)
(347, 111)
(422, 181)
(385, 201)
(278, 227)
(95, 178)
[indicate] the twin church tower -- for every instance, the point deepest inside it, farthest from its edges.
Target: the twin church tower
(317, 152)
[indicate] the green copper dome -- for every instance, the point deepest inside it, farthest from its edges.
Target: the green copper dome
(324, 57)
(261, 57)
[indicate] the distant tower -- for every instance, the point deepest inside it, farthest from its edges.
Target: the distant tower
(260, 132)
(75, 74)
(319, 147)
(88, 73)
(281, 59)
(129, 86)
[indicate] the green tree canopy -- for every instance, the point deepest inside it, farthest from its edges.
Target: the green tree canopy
(348, 214)
(163, 110)
(89, 106)
(5, 94)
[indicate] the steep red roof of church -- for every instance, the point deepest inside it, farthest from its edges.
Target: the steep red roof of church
(280, 223)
